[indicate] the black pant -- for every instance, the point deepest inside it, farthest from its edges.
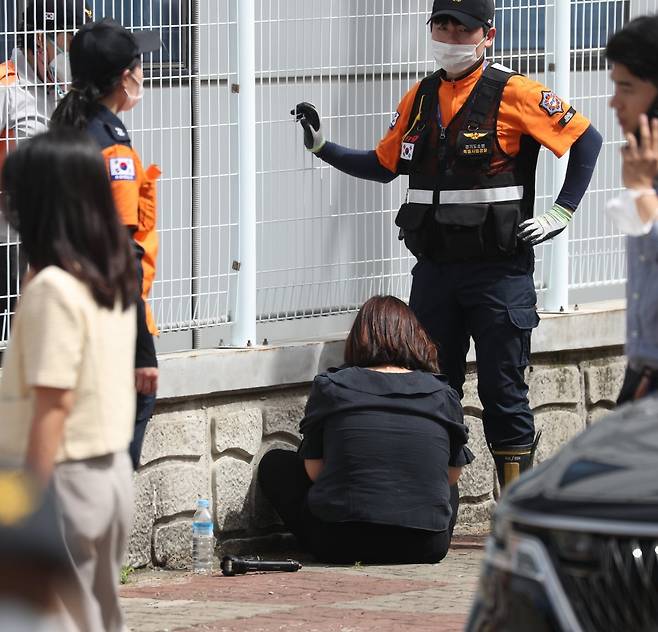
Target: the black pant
(285, 484)
(143, 412)
(632, 380)
(494, 302)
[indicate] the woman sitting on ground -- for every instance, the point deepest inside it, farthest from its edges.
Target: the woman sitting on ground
(375, 477)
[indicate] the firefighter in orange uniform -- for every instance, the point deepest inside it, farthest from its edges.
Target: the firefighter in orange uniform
(31, 81)
(468, 137)
(108, 79)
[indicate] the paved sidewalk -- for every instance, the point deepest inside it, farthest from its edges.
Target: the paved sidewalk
(319, 598)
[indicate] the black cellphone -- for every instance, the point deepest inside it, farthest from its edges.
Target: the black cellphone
(652, 113)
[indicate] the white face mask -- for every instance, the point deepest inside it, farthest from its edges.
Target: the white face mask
(133, 99)
(59, 71)
(455, 58)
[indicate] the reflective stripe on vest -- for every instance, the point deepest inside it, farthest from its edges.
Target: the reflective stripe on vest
(420, 196)
(466, 196)
(481, 196)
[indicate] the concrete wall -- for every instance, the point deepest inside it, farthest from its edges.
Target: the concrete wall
(222, 410)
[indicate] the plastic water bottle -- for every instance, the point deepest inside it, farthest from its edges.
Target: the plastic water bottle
(203, 540)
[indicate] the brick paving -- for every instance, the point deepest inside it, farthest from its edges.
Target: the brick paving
(318, 598)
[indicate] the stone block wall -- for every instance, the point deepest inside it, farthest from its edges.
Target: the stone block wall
(210, 448)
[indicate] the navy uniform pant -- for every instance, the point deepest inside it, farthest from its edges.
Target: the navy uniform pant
(495, 304)
(143, 413)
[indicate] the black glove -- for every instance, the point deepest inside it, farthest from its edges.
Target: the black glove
(309, 118)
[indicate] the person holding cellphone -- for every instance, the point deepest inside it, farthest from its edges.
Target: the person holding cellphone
(633, 52)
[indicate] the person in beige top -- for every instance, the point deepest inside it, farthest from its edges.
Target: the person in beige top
(67, 396)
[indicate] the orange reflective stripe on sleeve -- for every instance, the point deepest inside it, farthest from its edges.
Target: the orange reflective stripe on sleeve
(388, 148)
(125, 173)
(530, 108)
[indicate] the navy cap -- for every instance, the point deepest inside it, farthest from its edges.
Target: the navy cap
(471, 13)
(105, 49)
(55, 15)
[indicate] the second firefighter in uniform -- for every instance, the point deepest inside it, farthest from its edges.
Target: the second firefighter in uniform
(468, 137)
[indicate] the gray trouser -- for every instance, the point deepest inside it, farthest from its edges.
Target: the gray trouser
(95, 499)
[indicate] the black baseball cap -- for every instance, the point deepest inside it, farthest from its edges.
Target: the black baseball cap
(55, 15)
(471, 13)
(105, 49)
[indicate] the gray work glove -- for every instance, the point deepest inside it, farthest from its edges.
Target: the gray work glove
(534, 231)
(309, 118)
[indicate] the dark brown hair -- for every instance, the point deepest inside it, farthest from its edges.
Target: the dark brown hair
(386, 332)
(58, 196)
(636, 46)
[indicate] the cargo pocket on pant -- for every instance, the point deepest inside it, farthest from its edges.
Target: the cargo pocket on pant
(525, 319)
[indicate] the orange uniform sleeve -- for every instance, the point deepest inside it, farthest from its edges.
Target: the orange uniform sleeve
(124, 169)
(535, 110)
(388, 149)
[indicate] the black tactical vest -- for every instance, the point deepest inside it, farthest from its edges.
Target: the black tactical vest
(466, 196)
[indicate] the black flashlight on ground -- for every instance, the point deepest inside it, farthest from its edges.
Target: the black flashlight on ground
(232, 565)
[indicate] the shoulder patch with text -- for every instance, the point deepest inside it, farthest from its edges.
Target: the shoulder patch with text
(122, 169)
(394, 120)
(566, 119)
(550, 103)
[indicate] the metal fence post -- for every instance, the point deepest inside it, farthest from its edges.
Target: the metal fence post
(557, 295)
(244, 326)
(195, 85)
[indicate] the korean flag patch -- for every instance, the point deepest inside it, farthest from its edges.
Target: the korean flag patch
(122, 169)
(550, 103)
(407, 152)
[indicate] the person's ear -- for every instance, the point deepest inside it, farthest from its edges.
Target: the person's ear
(491, 33)
(125, 78)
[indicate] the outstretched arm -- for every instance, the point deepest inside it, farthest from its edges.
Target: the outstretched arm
(354, 162)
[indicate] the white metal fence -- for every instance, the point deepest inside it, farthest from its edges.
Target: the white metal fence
(315, 243)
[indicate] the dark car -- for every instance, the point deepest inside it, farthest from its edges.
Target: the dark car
(574, 544)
